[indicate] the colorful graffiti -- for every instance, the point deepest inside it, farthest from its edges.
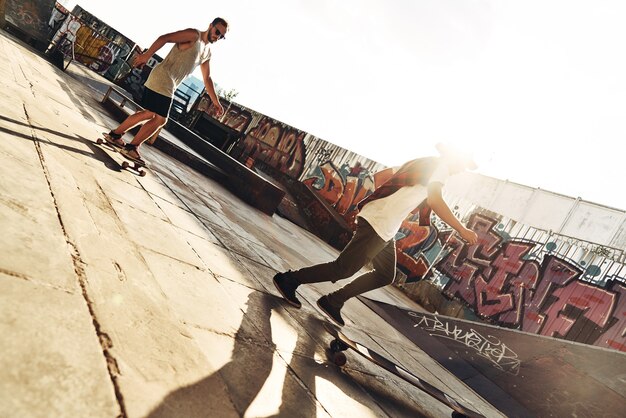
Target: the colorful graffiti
(236, 117)
(276, 144)
(77, 39)
(343, 188)
(511, 283)
(134, 81)
(507, 281)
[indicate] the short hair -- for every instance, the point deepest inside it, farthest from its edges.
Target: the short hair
(219, 20)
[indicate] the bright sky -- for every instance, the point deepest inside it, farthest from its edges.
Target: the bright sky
(536, 89)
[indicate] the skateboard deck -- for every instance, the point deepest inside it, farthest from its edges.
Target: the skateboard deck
(341, 343)
(137, 166)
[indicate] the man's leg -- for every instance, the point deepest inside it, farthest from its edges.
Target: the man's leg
(129, 123)
(148, 129)
(363, 247)
(383, 274)
(154, 136)
(133, 120)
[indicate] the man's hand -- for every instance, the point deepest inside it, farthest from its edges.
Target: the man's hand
(468, 235)
(219, 110)
(140, 60)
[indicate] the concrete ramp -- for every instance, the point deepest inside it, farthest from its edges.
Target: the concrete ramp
(521, 374)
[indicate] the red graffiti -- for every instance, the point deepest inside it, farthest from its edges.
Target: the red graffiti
(575, 302)
(417, 234)
(237, 118)
(277, 145)
(496, 297)
(417, 266)
(333, 187)
(615, 337)
(343, 192)
(554, 273)
(499, 282)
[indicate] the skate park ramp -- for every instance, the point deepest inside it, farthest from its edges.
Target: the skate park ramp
(521, 374)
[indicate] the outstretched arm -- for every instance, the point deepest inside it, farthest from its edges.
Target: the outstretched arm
(440, 207)
(180, 37)
(210, 87)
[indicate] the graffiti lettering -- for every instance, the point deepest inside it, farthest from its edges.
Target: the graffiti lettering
(343, 189)
(237, 118)
(489, 347)
(500, 282)
(277, 145)
(615, 336)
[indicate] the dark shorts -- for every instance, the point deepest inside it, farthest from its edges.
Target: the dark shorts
(156, 102)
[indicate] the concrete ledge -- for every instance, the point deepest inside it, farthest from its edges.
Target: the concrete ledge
(245, 183)
(319, 217)
(239, 179)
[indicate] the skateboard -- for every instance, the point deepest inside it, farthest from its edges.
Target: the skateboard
(138, 165)
(341, 343)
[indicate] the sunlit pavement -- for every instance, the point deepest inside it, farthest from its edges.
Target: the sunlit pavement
(152, 296)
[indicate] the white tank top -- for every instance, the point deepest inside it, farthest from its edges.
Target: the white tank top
(177, 65)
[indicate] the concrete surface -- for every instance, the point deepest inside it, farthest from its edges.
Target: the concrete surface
(152, 297)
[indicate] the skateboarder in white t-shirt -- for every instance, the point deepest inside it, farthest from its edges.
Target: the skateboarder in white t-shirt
(381, 214)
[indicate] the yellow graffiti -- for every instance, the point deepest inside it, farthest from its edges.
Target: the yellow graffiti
(88, 44)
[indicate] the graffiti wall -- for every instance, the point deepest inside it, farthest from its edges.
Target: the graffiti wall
(548, 287)
(344, 187)
(261, 138)
(516, 276)
(289, 150)
(30, 16)
(94, 44)
(521, 374)
(276, 144)
(134, 79)
(104, 50)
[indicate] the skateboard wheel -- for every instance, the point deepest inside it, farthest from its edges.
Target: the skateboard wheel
(99, 141)
(125, 164)
(142, 173)
(336, 346)
(339, 359)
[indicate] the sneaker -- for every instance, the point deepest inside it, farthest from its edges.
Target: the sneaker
(287, 288)
(332, 311)
(114, 139)
(130, 151)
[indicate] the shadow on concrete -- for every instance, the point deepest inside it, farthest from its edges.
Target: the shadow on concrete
(96, 152)
(348, 380)
(250, 366)
(39, 128)
(244, 375)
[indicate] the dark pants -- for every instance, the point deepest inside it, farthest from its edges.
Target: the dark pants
(365, 246)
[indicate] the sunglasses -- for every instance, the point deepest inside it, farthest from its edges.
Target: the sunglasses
(219, 33)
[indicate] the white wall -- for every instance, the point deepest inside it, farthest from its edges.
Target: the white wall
(543, 209)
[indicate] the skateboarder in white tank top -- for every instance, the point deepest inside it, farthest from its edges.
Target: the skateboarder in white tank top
(191, 49)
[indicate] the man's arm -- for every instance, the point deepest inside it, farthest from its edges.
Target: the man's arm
(180, 37)
(440, 207)
(210, 87)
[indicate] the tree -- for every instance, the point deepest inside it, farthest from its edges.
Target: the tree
(227, 95)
